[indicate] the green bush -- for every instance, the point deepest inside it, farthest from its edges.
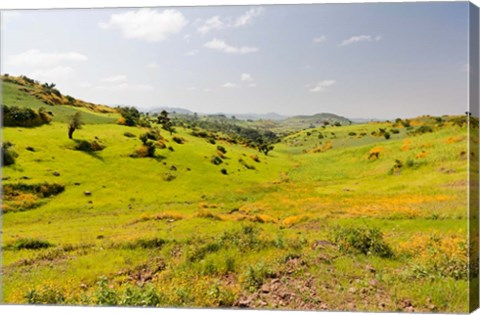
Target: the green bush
(146, 243)
(216, 160)
(359, 240)
(45, 295)
(14, 116)
(221, 149)
(178, 140)
(255, 276)
(8, 154)
(28, 243)
(89, 146)
(129, 135)
(423, 129)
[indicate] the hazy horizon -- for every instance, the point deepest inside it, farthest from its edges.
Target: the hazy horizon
(372, 61)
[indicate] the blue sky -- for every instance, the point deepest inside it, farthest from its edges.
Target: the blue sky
(356, 60)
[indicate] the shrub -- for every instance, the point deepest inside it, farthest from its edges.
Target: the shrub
(89, 146)
(168, 177)
(129, 135)
(386, 135)
(105, 295)
(367, 241)
(255, 158)
(8, 154)
(423, 129)
(221, 149)
(352, 133)
(216, 160)
(397, 167)
(394, 131)
(146, 243)
(202, 213)
(224, 171)
(178, 140)
(45, 295)
(255, 276)
(14, 116)
(152, 134)
(29, 243)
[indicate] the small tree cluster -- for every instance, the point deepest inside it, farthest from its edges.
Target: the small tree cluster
(130, 115)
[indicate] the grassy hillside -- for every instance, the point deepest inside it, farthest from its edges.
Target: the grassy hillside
(334, 218)
(18, 92)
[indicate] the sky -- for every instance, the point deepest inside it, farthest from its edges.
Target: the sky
(356, 60)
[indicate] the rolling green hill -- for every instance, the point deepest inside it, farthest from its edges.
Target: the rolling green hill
(333, 218)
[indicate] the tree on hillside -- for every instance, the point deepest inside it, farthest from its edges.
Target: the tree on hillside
(74, 124)
(131, 115)
(165, 121)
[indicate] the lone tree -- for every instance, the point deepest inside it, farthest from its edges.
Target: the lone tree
(74, 124)
(166, 122)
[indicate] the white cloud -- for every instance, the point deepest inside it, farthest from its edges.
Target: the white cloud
(360, 38)
(125, 86)
(191, 88)
(247, 17)
(115, 78)
(229, 85)
(191, 52)
(54, 74)
(147, 24)
(153, 65)
(220, 45)
(320, 86)
(36, 58)
(217, 23)
(321, 39)
(246, 77)
(213, 23)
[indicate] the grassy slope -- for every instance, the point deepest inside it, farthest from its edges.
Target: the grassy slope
(298, 197)
(12, 96)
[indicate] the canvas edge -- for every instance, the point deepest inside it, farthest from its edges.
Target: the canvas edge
(473, 216)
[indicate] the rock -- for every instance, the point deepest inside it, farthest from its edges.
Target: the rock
(262, 303)
(245, 302)
(352, 290)
(56, 173)
(87, 193)
(374, 283)
(265, 288)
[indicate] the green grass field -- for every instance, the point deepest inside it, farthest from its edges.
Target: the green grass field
(292, 230)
